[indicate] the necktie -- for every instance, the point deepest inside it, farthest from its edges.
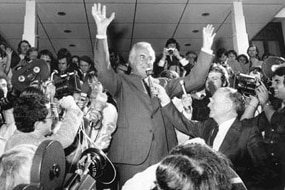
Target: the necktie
(146, 87)
(213, 135)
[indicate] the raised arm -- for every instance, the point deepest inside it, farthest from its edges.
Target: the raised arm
(199, 73)
(9, 52)
(179, 121)
(106, 75)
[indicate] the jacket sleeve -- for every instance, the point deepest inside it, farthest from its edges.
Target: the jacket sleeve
(68, 127)
(181, 123)
(106, 75)
(195, 79)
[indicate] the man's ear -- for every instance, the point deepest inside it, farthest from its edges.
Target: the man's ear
(36, 125)
(228, 105)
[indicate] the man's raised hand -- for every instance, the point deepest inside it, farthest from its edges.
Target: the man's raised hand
(208, 37)
(99, 15)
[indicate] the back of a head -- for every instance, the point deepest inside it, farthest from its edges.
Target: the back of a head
(15, 166)
(29, 108)
(235, 97)
(205, 168)
(183, 173)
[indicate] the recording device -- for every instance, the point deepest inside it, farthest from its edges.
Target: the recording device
(67, 84)
(245, 84)
(170, 50)
(48, 169)
(34, 72)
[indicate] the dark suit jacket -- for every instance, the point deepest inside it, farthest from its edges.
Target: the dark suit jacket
(140, 121)
(242, 144)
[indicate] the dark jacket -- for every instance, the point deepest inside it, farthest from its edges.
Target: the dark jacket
(242, 144)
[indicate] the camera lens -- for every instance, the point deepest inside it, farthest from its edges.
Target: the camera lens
(170, 52)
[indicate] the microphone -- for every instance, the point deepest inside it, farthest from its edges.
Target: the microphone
(183, 87)
(94, 114)
(187, 107)
(148, 74)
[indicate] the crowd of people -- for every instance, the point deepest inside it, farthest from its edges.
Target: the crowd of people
(170, 121)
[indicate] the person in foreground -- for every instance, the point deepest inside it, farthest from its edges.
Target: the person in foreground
(144, 135)
(192, 165)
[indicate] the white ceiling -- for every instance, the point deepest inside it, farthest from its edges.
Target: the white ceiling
(136, 20)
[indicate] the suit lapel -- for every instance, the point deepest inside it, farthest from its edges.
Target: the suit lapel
(231, 137)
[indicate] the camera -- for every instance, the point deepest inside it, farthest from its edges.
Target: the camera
(245, 84)
(67, 84)
(48, 169)
(170, 50)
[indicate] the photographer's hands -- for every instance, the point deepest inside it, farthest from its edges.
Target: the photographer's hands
(262, 93)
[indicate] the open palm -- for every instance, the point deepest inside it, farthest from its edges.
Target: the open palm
(99, 15)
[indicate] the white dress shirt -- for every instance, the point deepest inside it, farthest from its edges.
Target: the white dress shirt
(223, 130)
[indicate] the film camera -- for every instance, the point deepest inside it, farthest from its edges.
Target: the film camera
(170, 50)
(67, 84)
(245, 84)
(48, 169)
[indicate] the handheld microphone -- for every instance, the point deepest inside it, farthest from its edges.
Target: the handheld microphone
(183, 87)
(148, 74)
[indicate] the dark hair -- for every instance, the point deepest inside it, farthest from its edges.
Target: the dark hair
(30, 90)
(194, 166)
(29, 108)
(172, 41)
(75, 56)
(170, 74)
(64, 53)
(266, 55)
(258, 69)
(220, 52)
(20, 43)
(280, 72)
(46, 52)
(87, 59)
(192, 52)
(231, 52)
(2, 53)
(242, 55)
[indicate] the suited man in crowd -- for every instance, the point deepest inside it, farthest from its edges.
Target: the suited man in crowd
(238, 140)
(144, 135)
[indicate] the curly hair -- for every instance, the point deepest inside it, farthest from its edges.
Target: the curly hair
(28, 110)
(194, 166)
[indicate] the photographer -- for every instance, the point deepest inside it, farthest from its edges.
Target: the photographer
(171, 58)
(33, 118)
(7, 119)
(271, 126)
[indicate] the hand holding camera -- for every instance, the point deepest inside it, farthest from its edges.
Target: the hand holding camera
(262, 93)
